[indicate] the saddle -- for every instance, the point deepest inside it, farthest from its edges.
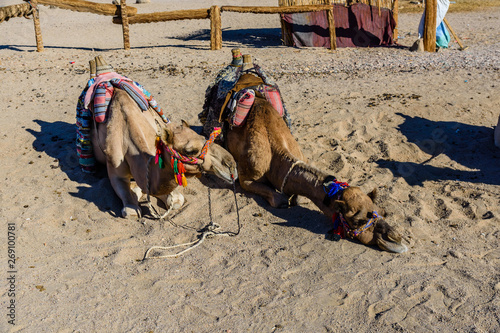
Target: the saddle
(240, 99)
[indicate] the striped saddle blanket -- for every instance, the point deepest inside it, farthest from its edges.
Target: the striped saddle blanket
(93, 104)
(242, 101)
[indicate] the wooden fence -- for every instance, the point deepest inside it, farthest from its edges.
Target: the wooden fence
(126, 15)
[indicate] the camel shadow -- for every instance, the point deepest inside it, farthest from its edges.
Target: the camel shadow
(57, 140)
(469, 145)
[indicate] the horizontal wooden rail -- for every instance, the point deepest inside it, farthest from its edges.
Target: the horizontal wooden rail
(20, 10)
(189, 14)
(275, 10)
(87, 6)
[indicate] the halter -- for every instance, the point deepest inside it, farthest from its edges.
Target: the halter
(356, 232)
(334, 189)
(177, 159)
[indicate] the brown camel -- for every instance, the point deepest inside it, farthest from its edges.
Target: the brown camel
(271, 164)
(125, 143)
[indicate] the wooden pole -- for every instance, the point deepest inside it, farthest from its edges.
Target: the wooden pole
(454, 35)
(87, 6)
(275, 10)
(331, 28)
(215, 28)
(395, 14)
(189, 14)
(125, 27)
(430, 25)
(38, 31)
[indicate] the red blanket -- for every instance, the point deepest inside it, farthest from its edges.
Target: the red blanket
(358, 25)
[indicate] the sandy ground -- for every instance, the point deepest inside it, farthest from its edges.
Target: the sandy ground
(418, 127)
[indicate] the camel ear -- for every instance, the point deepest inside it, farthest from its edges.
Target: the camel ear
(373, 194)
(167, 136)
(340, 206)
(185, 124)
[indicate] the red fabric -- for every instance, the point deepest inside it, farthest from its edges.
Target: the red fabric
(242, 107)
(358, 25)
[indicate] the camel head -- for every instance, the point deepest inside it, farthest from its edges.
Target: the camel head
(364, 221)
(209, 157)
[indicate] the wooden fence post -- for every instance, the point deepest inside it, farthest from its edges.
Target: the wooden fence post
(125, 27)
(38, 31)
(395, 14)
(215, 28)
(331, 28)
(430, 26)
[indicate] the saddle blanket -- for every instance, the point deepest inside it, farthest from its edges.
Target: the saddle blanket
(242, 101)
(94, 102)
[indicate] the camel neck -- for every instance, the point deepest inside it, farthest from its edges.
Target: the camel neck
(303, 179)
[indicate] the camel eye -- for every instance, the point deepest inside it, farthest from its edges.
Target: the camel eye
(369, 215)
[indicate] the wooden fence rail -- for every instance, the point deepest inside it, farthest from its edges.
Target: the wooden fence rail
(275, 10)
(88, 6)
(189, 14)
(125, 15)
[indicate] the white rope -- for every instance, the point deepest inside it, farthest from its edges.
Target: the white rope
(210, 232)
(288, 173)
(152, 210)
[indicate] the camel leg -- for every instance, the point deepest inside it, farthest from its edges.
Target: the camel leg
(121, 185)
(275, 199)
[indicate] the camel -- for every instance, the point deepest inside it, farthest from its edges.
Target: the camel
(126, 144)
(271, 165)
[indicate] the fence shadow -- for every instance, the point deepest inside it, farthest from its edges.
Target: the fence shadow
(469, 145)
(257, 38)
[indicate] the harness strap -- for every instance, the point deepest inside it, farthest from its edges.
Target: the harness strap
(288, 174)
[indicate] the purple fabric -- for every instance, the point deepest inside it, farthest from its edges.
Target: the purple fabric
(358, 25)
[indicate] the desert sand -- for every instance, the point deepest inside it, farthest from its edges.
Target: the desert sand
(416, 126)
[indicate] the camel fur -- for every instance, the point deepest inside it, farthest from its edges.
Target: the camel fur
(125, 143)
(270, 159)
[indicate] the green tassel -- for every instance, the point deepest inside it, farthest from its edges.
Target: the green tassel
(161, 164)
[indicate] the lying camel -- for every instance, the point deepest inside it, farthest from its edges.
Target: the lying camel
(126, 144)
(269, 159)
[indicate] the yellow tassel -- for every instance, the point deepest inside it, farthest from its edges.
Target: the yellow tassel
(184, 181)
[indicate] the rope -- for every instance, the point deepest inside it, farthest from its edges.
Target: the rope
(288, 173)
(153, 210)
(208, 231)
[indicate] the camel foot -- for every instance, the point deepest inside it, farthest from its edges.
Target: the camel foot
(175, 200)
(130, 211)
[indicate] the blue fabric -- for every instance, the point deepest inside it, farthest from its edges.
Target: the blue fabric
(442, 36)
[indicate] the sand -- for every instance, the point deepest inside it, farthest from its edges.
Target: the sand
(418, 127)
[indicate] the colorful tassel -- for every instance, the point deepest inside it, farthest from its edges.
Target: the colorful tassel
(179, 171)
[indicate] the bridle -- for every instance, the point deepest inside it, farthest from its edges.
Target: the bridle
(177, 160)
(334, 190)
(356, 232)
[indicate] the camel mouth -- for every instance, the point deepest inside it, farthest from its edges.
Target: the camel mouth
(228, 173)
(393, 247)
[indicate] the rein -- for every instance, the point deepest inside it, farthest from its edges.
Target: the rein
(210, 230)
(334, 189)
